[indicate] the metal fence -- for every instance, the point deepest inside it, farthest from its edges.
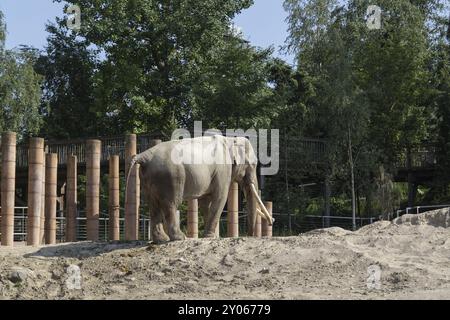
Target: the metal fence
(20, 223)
(21, 219)
(417, 210)
(300, 224)
(280, 227)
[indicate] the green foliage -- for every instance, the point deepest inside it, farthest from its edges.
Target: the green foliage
(372, 87)
(143, 66)
(19, 89)
(68, 101)
(232, 91)
(154, 67)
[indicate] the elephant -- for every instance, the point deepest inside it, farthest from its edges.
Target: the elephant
(200, 168)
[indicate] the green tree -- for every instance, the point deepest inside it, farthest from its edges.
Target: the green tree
(153, 52)
(372, 86)
(440, 188)
(19, 89)
(232, 90)
(69, 102)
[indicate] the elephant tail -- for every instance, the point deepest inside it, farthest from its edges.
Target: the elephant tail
(133, 162)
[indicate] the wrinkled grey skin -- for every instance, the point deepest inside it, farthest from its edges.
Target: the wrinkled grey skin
(166, 183)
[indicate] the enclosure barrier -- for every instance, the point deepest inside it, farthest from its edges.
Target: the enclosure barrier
(51, 174)
(417, 210)
(192, 219)
(42, 221)
(8, 187)
(133, 187)
(35, 178)
(93, 148)
(114, 198)
(71, 199)
(233, 211)
(43, 226)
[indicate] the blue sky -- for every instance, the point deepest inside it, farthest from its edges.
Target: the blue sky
(263, 24)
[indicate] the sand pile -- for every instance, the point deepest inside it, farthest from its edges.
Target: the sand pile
(406, 258)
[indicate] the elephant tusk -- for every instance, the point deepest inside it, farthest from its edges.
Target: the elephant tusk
(261, 204)
(260, 213)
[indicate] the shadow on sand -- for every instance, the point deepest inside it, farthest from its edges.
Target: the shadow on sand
(85, 249)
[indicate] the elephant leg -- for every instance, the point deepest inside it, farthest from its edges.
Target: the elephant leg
(157, 226)
(204, 205)
(173, 223)
(215, 211)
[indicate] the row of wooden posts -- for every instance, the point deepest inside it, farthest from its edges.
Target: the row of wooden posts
(42, 195)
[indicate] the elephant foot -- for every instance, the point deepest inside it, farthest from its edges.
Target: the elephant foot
(160, 238)
(178, 236)
(210, 235)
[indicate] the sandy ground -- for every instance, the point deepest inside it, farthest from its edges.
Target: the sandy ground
(410, 256)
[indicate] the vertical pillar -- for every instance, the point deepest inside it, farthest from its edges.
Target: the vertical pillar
(233, 211)
(93, 152)
(192, 219)
(411, 179)
(266, 230)
(114, 199)
(35, 177)
(327, 195)
(8, 189)
(132, 190)
(51, 174)
(258, 226)
(258, 222)
(42, 223)
(71, 199)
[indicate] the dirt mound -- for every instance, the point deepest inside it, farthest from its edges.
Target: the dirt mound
(407, 258)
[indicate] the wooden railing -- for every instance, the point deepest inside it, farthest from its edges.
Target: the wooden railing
(110, 146)
(307, 149)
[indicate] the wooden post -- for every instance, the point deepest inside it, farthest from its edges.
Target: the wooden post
(42, 223)
(114, 198)
(233, 211)
(8, 189)
(71, 200)
(327, 211)
(192, 219)
(266, 229)
(132, 190)
(35, 178)
(93, 153)
(258, 226)
(51, 174)
(258, 222)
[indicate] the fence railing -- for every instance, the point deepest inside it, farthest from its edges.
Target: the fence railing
(309, 223)
(280, 227)
(20, 223)
(110, 146)
(417, 210)
(309, 149)
(21, 219)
